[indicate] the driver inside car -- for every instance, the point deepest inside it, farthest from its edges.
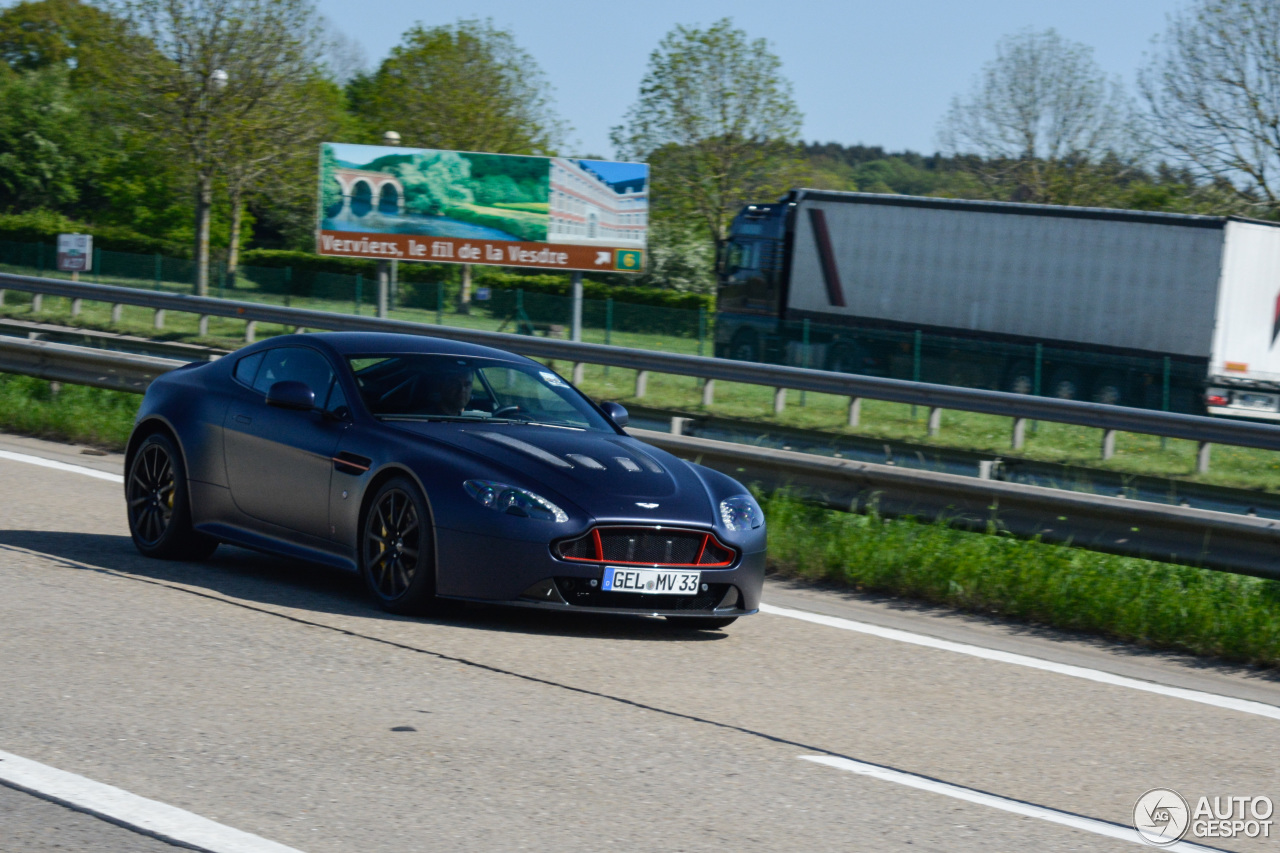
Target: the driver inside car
(449, 392)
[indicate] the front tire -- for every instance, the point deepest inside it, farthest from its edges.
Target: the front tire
(159, 504)
(397, 550)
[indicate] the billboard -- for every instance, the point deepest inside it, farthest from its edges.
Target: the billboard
(421, 204)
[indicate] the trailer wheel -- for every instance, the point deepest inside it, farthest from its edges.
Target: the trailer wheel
(1065, 384)
(745, 346)
(1020, 378)
(1108, 388)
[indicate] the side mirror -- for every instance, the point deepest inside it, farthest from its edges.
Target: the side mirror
(291, 394)
(616, 413)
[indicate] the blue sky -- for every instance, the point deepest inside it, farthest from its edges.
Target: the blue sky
(876, 73)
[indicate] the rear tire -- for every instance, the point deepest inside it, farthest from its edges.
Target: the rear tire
(693, 623)
(1108, 388)
(158, 504)
(1020, 379)
(1066, 384)
(397, 550)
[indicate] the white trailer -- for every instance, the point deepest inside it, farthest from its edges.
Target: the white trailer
(1150, 309)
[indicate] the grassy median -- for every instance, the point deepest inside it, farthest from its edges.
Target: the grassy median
(1139, 601)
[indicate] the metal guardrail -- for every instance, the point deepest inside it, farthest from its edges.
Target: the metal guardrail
(1214, 540)
(1020, 407)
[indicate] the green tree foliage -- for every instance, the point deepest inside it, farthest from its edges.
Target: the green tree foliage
(46, 150)
(467, 86)
(80, 38)
(716, 119)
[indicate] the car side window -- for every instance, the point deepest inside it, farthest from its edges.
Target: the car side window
(299, 364)
(246, 369)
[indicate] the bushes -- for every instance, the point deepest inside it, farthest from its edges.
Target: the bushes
(44, 226)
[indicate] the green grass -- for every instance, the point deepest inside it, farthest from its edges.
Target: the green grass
(1154, 604)
(72, 413)
(1157, 605)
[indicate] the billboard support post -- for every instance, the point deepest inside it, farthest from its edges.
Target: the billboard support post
(384, 285)
(577, 306)
(464, 293)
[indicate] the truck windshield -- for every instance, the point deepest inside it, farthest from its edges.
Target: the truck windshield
(741, 255)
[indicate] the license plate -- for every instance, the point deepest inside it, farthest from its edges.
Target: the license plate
(650, 581)
(1256, 401)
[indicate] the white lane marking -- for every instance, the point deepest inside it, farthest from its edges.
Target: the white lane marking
(149, 816)
(60, 466)
(1230, 703)
(898, 777)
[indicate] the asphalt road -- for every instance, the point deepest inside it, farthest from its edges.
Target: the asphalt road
(272, 697)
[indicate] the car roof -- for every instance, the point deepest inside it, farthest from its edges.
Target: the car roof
(388, 343)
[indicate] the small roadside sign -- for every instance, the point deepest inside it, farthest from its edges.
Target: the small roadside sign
(75, 252)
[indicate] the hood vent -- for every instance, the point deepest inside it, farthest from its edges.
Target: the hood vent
(586, 461)
(526, 448)
(627, 464)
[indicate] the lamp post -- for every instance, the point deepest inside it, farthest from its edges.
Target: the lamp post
(213, 86)
(386, 269)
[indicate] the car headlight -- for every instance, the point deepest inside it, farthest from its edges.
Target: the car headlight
(514, 500)
(741, 513)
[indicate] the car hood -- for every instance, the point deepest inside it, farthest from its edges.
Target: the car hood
(608, 476)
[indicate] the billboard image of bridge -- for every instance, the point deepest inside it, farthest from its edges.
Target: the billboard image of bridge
(419, 204)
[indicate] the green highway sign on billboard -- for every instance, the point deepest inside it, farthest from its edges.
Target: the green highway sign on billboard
(420, 204)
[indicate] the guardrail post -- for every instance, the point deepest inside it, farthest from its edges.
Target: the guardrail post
(679, 425)
(37, 302)
(159, 319)
(935, 421)
(1019, 433)
(117, 312)
(204, 325)
(708, 391)
(76, 305)
(1108, 444)
(1, 298)
(855, 411)
(642, 383)
(779, 400)
(299, 330)
(579, 372)
(250, 331)
(1202, 457)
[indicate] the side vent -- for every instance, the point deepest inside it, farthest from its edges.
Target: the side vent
(351, 463)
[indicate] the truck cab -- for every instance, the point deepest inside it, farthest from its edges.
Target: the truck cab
(750, 279)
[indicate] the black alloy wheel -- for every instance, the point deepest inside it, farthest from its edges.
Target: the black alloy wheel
(159, 506)
(396, 557)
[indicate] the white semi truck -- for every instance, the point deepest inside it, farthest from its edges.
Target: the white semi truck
(1158, 310)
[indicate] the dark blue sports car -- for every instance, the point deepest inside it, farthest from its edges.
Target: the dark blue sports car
(437, 470)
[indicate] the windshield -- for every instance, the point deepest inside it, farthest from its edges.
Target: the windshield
(445, 387)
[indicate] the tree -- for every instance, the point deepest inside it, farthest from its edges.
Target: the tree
(1041, 115)
(467, 86)
(217, 72)
(716, 119)
(1212, 91)
(80, 38)
(46, 143)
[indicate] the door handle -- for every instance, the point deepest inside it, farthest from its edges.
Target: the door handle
(243, 419)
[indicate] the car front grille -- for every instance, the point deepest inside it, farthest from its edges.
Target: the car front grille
(647, 546)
